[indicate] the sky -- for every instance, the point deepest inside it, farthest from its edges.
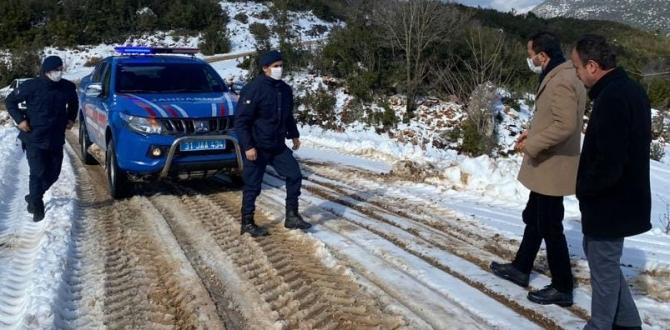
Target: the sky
(521, 6)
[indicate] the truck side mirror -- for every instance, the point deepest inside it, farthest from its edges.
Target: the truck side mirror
(94, 90)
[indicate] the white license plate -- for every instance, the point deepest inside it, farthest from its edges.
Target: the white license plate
(203, 145)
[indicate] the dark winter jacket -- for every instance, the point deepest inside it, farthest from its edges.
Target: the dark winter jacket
(264, 116)
(613, 178)
(49, 106)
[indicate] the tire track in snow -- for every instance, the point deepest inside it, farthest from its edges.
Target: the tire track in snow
(363, 186)
(80, 299)
(126, 270)
(284, 269)
(20, 241)
(429, 245)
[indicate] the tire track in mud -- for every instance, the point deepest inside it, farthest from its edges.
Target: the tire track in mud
(284, 268)
(123, 272)
(495, 244)
(424, 212)
(323, 175)
(466, 245)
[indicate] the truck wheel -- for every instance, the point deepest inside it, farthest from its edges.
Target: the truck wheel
(84, 143)
(118, 182)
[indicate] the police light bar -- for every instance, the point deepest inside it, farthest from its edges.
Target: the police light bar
(132, 50)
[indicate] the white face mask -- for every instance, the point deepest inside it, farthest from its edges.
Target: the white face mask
(55, 76)
(535, 68)
(276, 73)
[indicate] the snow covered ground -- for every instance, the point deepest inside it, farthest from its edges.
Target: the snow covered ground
(32, 255)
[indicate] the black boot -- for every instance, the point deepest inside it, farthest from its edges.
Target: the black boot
(550, 295)
(295, 221)
(510, 273)
(618, 327)
(38, 211)
(31, 209)
(249, 226)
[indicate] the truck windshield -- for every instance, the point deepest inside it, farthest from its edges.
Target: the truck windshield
(167, 78)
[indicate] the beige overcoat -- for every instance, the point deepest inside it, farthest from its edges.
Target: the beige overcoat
(551, 154)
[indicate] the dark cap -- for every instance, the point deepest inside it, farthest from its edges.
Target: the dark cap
(51, 63)
(270, 57)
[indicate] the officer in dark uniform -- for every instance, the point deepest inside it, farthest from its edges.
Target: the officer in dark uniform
(264, 120)
(51, 108)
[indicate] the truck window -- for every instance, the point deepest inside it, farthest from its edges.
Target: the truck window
(106, 80)
(168, 78)
(97, 73)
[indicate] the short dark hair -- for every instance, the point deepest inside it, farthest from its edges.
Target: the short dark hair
(546, 42)
(593, 47)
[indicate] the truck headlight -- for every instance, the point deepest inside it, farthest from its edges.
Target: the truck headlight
(143, 125)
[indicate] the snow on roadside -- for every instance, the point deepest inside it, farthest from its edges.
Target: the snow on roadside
(32, 254)
(5, 120)
(485, 176)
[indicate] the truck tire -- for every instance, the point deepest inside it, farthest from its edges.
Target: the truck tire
(84, 143)
(117, 179)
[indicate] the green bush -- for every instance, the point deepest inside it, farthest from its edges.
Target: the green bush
(474, 142)
(659, 93)
(215, 41)
(353, 111)
(262, 34)
(24, 63)
(51, 23)
(319, 108)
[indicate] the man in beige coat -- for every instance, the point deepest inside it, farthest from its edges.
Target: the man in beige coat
(549, 170)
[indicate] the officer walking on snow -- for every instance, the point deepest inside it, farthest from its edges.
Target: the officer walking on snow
(51, 109)
(264, 120)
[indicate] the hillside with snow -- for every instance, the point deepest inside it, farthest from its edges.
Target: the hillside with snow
(308, 28)
(651, 15)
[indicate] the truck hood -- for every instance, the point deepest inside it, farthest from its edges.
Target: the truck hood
(181, 106)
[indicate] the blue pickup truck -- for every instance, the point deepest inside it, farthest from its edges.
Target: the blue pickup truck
(153, 113)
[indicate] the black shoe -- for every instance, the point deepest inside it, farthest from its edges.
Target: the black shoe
(249, 226)
(510, 273)
(38, 212)
(550, 295)
(30, 208)
(618, 327)
(295, 221)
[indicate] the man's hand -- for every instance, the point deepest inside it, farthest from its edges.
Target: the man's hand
(296, 143)
(521, 142)
(69, 125)
(24, 126)
(251, 154)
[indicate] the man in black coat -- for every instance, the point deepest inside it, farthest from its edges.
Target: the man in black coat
(613, 178)
(263, 121)
(51, 108)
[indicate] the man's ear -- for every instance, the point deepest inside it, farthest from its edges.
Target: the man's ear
(593, 67)
(545, 55)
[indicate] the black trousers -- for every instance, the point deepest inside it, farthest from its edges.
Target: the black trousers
(543, 217)
(284, 163)
(45, 166)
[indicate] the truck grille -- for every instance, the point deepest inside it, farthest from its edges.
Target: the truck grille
(189, 126)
